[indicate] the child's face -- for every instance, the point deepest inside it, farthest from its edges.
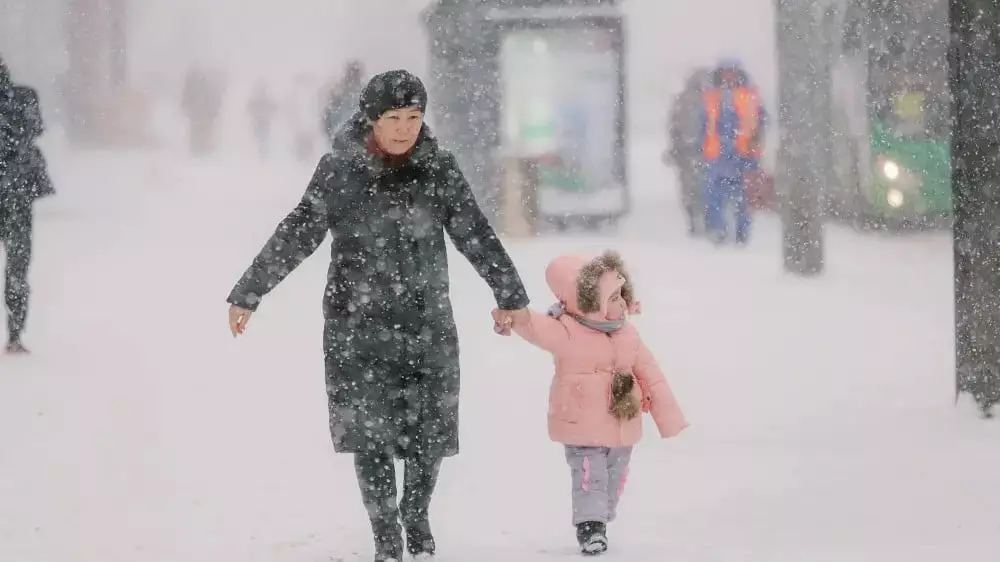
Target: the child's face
(616, 306)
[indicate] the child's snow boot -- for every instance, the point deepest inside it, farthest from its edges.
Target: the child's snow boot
(593, 537)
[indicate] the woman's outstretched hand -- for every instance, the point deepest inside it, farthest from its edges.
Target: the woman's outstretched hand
(238, 319)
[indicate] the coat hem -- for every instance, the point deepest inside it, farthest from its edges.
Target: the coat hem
(343, 449)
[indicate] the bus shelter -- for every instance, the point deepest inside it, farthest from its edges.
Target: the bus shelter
(530, 95)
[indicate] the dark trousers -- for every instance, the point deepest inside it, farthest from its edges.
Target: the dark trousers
(15, 239)
(692, 179)
(377, 479)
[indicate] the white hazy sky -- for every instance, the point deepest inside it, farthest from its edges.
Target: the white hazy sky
(252, 37)
(278, 39)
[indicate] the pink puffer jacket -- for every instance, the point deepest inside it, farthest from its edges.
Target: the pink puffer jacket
(586, 359)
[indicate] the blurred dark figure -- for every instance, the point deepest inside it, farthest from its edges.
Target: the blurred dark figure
(685, 131)
(342, 99)
(262, 109)
(201, 102)
(23, 180)
(302, 103)
(733, 124)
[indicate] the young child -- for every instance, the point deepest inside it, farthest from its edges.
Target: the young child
(605, 378)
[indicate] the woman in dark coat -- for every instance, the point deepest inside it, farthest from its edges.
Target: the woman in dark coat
(387, 193)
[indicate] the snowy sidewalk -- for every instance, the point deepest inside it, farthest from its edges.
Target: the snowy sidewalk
(823, 426)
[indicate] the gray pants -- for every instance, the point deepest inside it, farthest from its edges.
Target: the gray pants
(599, 475)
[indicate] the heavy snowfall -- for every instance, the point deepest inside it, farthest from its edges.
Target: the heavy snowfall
(824, 421)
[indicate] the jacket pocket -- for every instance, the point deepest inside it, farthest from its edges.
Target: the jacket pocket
(566, 402)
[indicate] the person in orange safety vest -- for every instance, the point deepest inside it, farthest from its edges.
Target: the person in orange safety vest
(734, 122)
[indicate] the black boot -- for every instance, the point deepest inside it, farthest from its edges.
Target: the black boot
(592, 537)
(377, 479)
(388, 540)
(419, 541)
(420, 477)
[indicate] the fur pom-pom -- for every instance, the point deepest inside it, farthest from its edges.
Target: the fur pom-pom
(625, 405)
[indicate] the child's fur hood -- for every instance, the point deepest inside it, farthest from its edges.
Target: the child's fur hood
(575, 281)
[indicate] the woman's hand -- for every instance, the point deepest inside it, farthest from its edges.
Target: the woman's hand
(238, 319)
(504, 320)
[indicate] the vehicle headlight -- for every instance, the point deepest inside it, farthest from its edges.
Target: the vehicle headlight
(895, 198)
(902, 185)
(890, 170)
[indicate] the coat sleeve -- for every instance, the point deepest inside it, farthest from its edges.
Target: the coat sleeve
(662, 404)
(295, 239)
(473, 236)
(32, 126)
(544, 331)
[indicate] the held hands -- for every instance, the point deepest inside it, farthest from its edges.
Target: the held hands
(504, 320)
(238, 319)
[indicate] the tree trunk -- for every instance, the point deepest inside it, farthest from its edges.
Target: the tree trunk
(799, 170)
(975, 158)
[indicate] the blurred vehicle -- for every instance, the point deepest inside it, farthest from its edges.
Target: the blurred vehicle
(892, 113)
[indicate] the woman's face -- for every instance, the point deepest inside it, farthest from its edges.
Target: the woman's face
(396, 131)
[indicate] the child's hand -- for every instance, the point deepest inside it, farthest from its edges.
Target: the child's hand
(504, 320)
(647, 399)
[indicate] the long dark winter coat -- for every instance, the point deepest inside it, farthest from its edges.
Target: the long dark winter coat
(24, 175)
(391, 345)
(21, 161)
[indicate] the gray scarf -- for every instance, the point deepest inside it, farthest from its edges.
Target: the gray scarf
(606, 326)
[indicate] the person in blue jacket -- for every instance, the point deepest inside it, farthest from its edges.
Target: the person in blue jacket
(734, 121)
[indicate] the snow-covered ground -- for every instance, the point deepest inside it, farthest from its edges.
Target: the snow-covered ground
(139, 430)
